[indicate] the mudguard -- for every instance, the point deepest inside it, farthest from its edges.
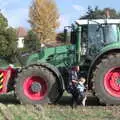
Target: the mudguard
(55, 71)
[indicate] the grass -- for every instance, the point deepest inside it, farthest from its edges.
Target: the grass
(10, 109)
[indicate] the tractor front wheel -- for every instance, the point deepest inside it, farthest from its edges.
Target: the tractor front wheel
(107, 80)
(37, 85)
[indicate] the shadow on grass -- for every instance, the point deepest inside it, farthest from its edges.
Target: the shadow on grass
(8, 99)
(66, 100)
(91, 101)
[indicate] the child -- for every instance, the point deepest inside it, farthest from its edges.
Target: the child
(76, 86)
(79, 96)
(81, 90)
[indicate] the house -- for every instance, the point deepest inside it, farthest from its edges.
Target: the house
(21, 33)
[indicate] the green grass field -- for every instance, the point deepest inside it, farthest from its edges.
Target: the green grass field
(10, 109)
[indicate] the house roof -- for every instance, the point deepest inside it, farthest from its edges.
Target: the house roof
(21, 32)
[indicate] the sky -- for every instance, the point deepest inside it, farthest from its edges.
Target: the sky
(17, 11)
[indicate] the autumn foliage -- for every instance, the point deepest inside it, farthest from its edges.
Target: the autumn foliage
(44, 17)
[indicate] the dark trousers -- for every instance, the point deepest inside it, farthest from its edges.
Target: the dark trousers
(77, 97)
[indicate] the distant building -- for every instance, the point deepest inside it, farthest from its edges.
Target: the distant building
(21, 33)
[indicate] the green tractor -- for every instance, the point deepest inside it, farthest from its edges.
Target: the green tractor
(93, 44)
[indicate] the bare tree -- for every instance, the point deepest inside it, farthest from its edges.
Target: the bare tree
(44, 21)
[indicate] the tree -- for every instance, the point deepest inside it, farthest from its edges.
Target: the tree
(97, 13)
(31, 41)
(12, 40)
(44, 17)
(3, 23)
(8, 39)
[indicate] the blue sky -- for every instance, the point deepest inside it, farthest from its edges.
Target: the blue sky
(17, 10)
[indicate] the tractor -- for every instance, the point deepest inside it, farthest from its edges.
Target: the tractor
(93, 44)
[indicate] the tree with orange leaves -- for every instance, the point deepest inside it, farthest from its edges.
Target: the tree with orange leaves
(44, 21)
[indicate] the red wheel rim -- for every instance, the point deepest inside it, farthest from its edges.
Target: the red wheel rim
(112, 82)
(35, 95)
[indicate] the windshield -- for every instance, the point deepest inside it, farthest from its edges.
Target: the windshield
(95, 34)
(95, 39)
(110, 33)
(99, 36)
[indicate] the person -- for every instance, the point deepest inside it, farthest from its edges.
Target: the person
(81, 90)
(76, 87)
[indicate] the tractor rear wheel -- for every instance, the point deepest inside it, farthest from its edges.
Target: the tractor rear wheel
(37, 85)
(107, 80)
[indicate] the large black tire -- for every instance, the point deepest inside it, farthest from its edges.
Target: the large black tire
(110, 62)
(53, 92)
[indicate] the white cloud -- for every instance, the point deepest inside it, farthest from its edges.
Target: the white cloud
(18, 17)
(79, 8)
(3, 4)
(64, 21)
(7, 3)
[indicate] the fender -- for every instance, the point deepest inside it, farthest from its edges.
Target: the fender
(54, 70)
(96, 61)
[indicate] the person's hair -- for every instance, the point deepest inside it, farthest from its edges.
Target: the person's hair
(75, 68)
(82, 79)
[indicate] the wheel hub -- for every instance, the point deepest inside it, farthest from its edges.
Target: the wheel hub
(118, 81)
(112, 82)
(36, 87)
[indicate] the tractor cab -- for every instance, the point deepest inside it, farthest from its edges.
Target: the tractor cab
(99, 33)
(94, 34)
